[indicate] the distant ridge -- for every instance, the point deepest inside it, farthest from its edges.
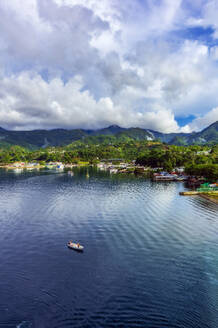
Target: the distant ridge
(60, 137)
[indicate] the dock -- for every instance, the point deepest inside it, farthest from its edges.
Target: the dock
(188, 193)
(194, 192)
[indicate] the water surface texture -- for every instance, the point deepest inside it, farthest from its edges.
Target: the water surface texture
(150, 259)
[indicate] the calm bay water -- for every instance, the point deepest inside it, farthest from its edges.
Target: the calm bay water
(150, 259)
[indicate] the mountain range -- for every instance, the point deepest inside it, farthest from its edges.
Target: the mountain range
(60, 137)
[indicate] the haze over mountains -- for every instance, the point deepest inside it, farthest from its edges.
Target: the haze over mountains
(61, 137)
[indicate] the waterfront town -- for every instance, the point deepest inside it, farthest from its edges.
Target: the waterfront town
(196, 184)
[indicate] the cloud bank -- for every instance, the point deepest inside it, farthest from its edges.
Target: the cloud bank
(89, 64)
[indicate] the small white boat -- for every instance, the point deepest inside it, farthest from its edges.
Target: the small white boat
(75, 246)
(18, 170)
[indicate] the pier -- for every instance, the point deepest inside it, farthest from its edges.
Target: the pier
(194, 192)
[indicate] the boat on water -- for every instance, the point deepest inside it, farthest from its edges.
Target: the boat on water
(70, 173)
(75, 246)
(18, 170)
(60, 167)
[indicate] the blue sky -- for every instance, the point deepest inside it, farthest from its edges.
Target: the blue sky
(90, 63)
(183, 121)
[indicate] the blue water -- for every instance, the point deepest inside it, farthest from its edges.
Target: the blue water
(150, 259)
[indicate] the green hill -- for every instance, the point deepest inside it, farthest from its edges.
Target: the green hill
(208, 135)
(61, 137)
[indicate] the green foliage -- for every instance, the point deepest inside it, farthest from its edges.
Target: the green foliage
(108, 147)
(170, 157)
(209, 171)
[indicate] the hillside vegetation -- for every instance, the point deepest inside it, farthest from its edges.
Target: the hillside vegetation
(61, 137)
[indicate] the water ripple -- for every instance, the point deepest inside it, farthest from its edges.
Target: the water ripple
(150, 256)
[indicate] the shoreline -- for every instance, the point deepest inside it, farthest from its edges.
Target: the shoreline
(210, 198)
(210, 195)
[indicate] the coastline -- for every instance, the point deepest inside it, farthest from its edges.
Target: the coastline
(210, 198)
(210, 195)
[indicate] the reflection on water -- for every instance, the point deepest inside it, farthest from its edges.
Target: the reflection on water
(150, 256)
(25, 324)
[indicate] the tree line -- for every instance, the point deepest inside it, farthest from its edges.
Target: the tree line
(146, 153)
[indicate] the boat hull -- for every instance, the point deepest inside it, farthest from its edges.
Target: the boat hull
(75, 247)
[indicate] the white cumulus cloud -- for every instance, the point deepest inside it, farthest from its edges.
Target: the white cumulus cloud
(27, 100)
(88, 64)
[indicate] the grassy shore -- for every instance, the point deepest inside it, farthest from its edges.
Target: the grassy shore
(212, 197)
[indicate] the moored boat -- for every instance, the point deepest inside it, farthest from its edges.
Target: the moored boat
(75, 246)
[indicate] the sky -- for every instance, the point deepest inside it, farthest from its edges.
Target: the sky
(90, 64)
